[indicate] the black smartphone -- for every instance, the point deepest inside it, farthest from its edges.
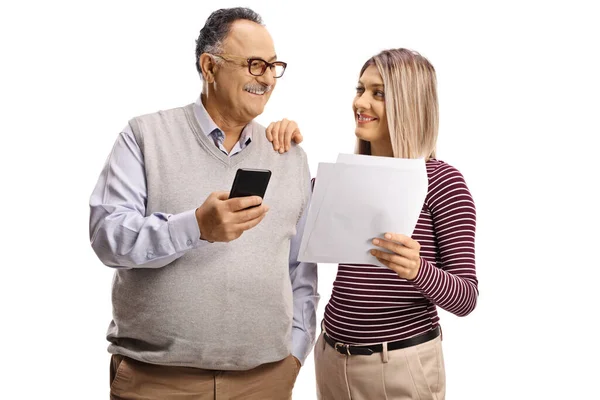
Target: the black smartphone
(250, 182)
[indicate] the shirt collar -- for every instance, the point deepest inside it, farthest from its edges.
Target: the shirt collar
(208, 126)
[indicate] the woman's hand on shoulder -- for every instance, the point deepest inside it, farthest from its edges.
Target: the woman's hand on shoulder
(404, 259)
(281, 134)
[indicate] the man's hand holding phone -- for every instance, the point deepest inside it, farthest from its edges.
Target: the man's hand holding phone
(225, 216)
(222, 219)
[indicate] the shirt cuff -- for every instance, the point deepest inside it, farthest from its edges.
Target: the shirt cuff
(301, 345)
(184, 231)
(424, 274)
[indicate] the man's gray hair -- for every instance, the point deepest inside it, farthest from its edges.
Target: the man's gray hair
(217, 27)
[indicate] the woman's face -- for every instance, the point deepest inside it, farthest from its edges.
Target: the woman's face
(369, 107)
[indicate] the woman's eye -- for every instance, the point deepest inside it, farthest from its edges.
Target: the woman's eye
(360, 89)
(379, 93)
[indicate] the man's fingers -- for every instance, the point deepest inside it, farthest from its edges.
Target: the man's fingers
(249, 214)
(221, 195)
(252, 223)
(239, 203)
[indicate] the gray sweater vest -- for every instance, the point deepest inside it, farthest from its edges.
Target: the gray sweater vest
(224, 306)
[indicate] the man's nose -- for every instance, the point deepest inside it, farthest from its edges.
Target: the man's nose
(268, 77)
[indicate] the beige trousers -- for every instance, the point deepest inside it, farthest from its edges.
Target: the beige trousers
(131, 379)
(415, 372)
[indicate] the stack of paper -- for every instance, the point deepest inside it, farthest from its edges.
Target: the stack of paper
(358, 199)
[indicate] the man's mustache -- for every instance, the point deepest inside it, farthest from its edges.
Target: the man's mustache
(258, 88)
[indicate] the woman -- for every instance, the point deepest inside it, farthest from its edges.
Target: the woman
(381, 337)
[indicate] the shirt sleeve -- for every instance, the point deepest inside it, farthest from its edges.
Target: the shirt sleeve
(453, 286)
(306, 298)
(121, 234)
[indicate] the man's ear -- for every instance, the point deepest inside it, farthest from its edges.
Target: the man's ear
(208, 67)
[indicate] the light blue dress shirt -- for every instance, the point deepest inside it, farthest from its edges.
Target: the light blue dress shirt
(118, 205)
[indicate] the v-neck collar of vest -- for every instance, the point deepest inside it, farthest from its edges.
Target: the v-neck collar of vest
(205, 142)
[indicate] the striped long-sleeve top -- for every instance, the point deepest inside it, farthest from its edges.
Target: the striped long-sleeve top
(371, 304)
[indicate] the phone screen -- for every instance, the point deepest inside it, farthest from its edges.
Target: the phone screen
(250, 182)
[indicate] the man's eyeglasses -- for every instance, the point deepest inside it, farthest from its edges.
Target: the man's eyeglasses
(256, 66)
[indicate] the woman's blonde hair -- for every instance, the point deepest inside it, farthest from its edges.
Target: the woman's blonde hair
(411, 104)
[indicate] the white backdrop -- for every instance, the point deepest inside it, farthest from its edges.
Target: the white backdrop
(518, 91)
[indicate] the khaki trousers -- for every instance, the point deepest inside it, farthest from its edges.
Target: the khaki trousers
(131, 379)
(415, 372)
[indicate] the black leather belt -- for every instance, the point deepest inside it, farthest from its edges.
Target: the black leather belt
(348, 349)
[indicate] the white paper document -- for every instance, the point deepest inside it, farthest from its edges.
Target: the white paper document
(357, 199)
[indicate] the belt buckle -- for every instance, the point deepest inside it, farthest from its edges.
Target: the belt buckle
(342, 345)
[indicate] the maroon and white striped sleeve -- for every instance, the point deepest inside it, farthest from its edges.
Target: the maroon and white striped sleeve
(452, 284)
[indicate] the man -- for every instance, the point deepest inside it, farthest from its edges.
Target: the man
(208, 298)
